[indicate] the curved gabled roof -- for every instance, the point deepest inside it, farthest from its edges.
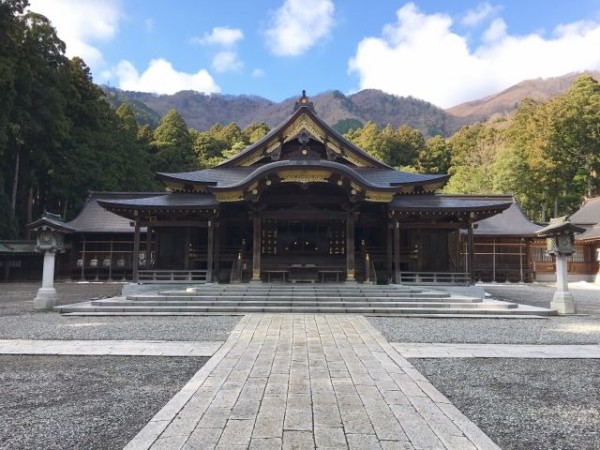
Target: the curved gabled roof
(304, 108)
(234, 177)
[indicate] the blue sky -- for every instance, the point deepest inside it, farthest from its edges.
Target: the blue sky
(445, 52)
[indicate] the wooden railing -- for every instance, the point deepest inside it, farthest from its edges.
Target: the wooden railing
(172, 276)
(459, 278)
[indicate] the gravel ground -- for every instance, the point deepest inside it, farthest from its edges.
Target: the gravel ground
(524, 404)
(580, 329)
(84, 402)
(586, 295)
(18, 321)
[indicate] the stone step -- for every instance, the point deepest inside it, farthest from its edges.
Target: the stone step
(95, 310)
(292, 304)
(293, 298)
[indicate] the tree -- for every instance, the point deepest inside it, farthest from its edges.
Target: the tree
(172, 145)
(435, 157)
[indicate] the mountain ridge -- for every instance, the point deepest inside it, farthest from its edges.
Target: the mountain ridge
(202, 111)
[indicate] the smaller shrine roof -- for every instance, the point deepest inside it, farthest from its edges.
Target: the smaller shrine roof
(591, 234)
(588, 213)
(93, 218)
(18, 247)
(510, 222)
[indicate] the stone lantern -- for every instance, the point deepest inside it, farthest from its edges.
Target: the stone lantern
(50, 239)
(560, 243)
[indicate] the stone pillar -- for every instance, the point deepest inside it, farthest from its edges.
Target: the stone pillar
(350, 266)
(210, 251)
(47, 297)
(563, 301)
(256, 249)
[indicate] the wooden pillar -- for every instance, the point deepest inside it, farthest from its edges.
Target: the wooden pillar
(216, 250)
(494, 261)
(256, 248)
(350, 263)
(136, 248)
(148, 247)
(521, 274)
(397, 252)
(471, 253)
(209, 252)
(389, 252)
(83, 259)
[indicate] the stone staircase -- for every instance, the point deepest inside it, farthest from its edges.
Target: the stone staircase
(289, 298)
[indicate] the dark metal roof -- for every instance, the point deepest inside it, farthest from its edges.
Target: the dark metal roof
(93, 218)
(452, 203)
(223, 178)
(179, 201)
(510, 222)
(588, 213)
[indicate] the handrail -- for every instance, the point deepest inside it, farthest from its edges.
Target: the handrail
(172, 276)
(459, 278)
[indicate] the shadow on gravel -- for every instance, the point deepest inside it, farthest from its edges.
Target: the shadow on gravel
(84, 402)
(532, 404)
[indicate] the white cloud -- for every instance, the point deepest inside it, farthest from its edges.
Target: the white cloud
(82, 24)
(226, 61)
(258, 73)
(223, 36)
(420, 55)
(475, 16)
(161, 78)
(298, 25)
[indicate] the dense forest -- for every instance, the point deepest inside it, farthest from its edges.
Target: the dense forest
(61, 136)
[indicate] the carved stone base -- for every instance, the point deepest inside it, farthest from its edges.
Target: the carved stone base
(45, 300)
(563, 303)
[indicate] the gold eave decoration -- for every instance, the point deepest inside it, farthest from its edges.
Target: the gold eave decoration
(304, 123)
(229, 196)
(304, 176)
(379, 196)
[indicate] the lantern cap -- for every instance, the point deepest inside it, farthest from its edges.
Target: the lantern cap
(559, 225)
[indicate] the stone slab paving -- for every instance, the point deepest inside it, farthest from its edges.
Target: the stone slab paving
(113, 348)
(296, 381)
(420, 350)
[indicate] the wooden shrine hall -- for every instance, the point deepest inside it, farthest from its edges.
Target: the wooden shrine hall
(303, 204)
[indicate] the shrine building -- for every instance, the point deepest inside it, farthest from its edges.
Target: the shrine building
(303, 204)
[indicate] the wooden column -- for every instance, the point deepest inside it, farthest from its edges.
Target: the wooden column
(471, 253)
(350, 264)
(216, 250)
(136, 248)
(210, 251)
(148, 247)
(389, 252)
(396, 252)
(256, 244)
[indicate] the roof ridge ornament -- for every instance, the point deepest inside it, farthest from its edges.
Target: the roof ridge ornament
(304, 102)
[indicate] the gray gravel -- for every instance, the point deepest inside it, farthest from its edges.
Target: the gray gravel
(587, 297)
(18, 321)
(581, 329)
(84, 402)
(556, 330)
(524, 404)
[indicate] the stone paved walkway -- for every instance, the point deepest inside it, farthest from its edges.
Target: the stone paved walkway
(308, 381)
(414, 350)
(114, 348)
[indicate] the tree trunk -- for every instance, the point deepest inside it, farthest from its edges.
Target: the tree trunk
(29, 210)
(13, 198)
